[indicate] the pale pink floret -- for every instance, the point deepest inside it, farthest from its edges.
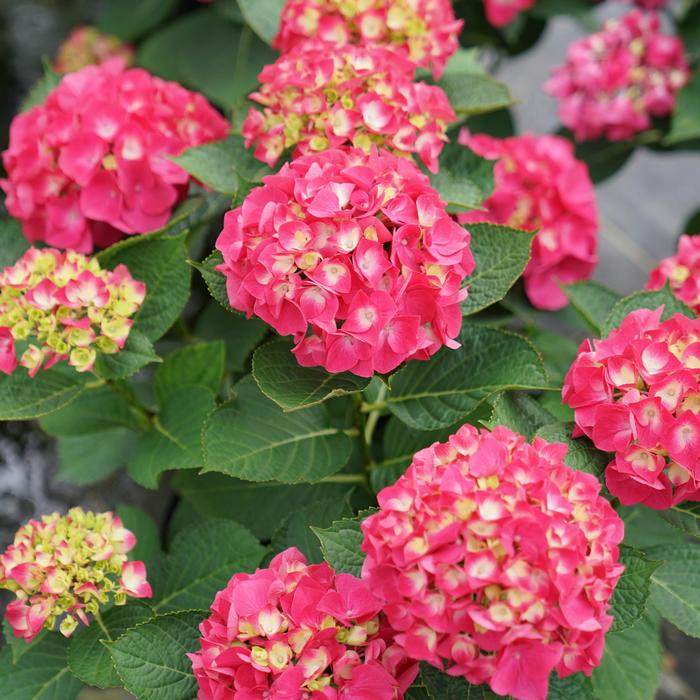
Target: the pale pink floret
(295, 630)
(616, 80)
(321, 96)
(496, 561)
(425, 31)
(681, 271)
(354, 256)
(540, 186)
(61, 568)
(636, 394)
(91, 165)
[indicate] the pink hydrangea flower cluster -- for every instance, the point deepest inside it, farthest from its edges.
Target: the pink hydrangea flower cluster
(425, 31)
(64, 306)
(615, 80)
(636, 394)
(320, 96)
(681, 271)
(352, 254)
(494, 557)
(67, 567)
(86, 46)
(499, 13)
(295, 630)
(90, 165)
(540, 186)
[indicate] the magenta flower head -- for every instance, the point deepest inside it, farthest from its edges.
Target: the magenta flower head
(540, 186)
(495, 559)
(425, 31)
(616, 80)
(321, 96)
(67, 567)
(86, 46)
(636, 394)
(63, 306)
(499, 13)
(295, 630)
(91, 165)
(352, 254)
(681, 271)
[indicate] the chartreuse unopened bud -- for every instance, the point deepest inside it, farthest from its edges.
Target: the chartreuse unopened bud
(64, 568)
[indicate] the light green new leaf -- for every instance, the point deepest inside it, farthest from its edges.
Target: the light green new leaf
(593, 301)
(151, 658)
(138, 351)
(519, 412)
(340, 543)
(436, 394)
(582, 455)
(475, 93)
(201, 364)
(263, 16)
(252, 438)
(291, 386)
(629, 602)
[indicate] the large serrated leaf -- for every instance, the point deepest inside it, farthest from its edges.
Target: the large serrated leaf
(685, 124)
(685, 516)
(146, 531)
(440, 686)
(475, 93)
(138, 351)
(436, 394)
(573, 687)
(519, 412)
(340, 543)
(582, 454)
(263, 16)
(131, 19)
(252, 438)
(593, 301)
(215, 280)
(201, 364)
(13, 244)
(629, 602)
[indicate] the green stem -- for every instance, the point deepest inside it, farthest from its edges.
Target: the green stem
(374, 415)
(100, 622)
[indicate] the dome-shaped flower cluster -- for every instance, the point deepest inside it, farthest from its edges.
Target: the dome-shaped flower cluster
(90, 164)
(636, 394)
(425, 31)
(67, 567)
(86, 46)
(352, 254)
(492, 555)
(320, 96)
(681, 271)
(64, 306)
(540, 186)
(616, 80)
(295, 630)
(499, 13)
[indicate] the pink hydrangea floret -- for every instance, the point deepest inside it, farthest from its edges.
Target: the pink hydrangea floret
(354, 256)
(681, 271)
(425, 31)
(90, 165)
(496, 561)
(618, 79)
(321, 96)
(540, 186)
(86, 46)
(64, 568)
(636, 394)
(499, 13)
(301, 631)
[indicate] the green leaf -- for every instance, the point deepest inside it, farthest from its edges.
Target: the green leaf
(18, 645)
(593, 301)
(160, 261)
(573, 687)
(88, 459)
(603, 158)
(582, 455)
(215, 280)
(40, 674)
(93, 411)
(475, 93)
(501, 254)
(440, 686)
(675, 590)
(685, 122)
(558, 351)
(24, 398)
(291, 386)
(263, 16)
(629, 601)
(519, 412)
(340, 543)
(41, 89)
(464, 179)
(145, 529)
(296, 530)
(13, 244)
(89, 659)
(645, 300)
(631, 666)
(645, 528)
(261, 507)
(685, 516)
(201, 364)
(138, 351)
(252, 438)
(151, 658)
(174, 443)
(201, 561)
(436, 394)
(131, 19)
